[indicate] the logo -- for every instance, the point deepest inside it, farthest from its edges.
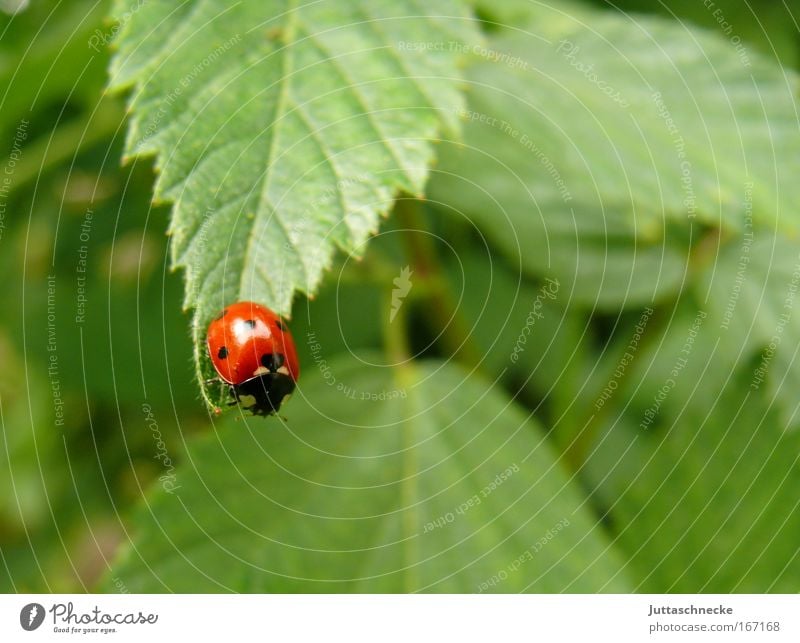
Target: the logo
(31, 616)
(402, 286)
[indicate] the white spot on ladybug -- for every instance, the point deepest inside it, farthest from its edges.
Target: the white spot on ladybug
(261, 370)
(244, 329)
(247, 400)
(283, 370)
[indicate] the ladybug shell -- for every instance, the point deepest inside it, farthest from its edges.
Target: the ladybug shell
(249, 340)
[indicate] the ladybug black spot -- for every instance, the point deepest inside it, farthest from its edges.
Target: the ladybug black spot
(223, 352)
(250, 322)
(272, 361)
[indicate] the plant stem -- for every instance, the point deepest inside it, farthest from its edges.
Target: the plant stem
(575, 453)
(395, 337)
(441, 311)
(395, 334)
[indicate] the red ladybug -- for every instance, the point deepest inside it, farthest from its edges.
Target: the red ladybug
(253, 351)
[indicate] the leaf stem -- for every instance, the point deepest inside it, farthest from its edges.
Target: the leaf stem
(575, 453)
(395, 333)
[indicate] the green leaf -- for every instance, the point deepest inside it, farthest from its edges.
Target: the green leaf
(523, 330)
(696, 448)
(283, 131)
(596, 143)
(769, 28)
(422, 478)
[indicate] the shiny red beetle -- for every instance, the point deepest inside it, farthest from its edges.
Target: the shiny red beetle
(253, 352)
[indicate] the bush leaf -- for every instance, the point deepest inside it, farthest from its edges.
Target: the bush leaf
(372, 486)
(705, 500)
(282, 130)
(612, 142)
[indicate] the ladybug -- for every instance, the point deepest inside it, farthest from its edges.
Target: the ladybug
(253, 353)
